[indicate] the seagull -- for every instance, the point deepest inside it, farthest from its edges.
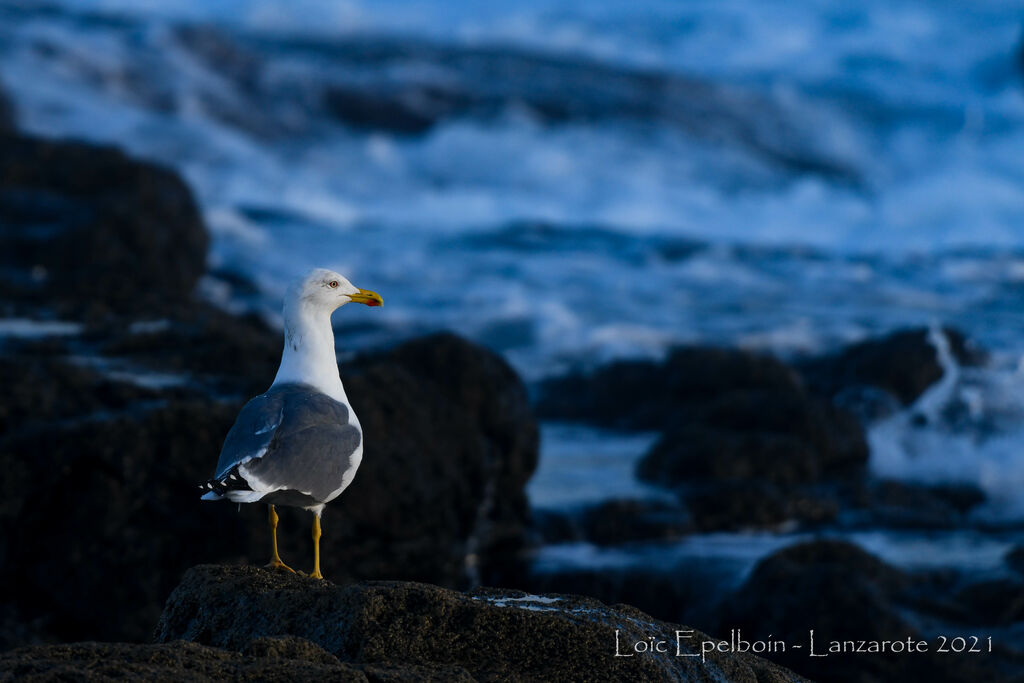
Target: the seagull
(300, 443)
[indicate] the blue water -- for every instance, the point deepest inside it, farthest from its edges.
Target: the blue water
(817, 173)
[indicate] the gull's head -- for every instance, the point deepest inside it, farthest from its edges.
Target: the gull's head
(325, 290)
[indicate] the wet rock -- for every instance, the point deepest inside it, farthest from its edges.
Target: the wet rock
(411, 110)
(7, 119)
(684, 592)
(649, 395)
(756, 505)
(614, 522)
(909, 505)
(493, 634)
(904, 364)
(742, 438)
(996, 602)
(89, 231)
(555, 526)
(1015, 559)
(846, 594)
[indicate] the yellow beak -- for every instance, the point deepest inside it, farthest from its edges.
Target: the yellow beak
(367, 297)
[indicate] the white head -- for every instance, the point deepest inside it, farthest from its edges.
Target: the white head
(309, 356)
(324, 290)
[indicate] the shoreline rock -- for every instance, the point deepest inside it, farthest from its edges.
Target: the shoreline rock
(845, 593)
(903, 364)
(89, 232)
(493, 634)
(744, 443)
(8, 120)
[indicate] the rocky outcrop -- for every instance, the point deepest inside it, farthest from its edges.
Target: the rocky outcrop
(847, 594)
(107, 426)
(88, 231)
(743, 440)
(171, 663)
(903, 364)
(1015, 559)
(7, 118)
(443, 495)
(491, 634)
(638, 394)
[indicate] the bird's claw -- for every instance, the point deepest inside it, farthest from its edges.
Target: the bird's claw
(278, 564)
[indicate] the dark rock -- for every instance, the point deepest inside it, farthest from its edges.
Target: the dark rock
(412, 673)
(742, 436)
(909, 505)
(1015, 559)
(494, 634)
(235, 355)
(409, 110)
(112, 494)
(686, 592)
(105, 434)
(126, 461)
(696, 453)
(556, 526)
(903, 363)
(89, 231)
(289, 647)
(467, 445)
(756, 505)
(615, 522)
(846, 594)
(962, 497)
(743, 439)
(170, 663)
(7, 118)
(648, 395)
(997, 602)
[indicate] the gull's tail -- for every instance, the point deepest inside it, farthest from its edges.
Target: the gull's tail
(218, 488)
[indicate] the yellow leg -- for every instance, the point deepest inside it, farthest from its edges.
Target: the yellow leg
(316, 547)
(275, 559)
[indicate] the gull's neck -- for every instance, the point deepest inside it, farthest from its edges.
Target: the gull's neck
(309, 356)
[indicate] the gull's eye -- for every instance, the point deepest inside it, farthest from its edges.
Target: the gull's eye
(333, 284)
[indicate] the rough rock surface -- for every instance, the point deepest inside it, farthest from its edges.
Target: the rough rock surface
(493, 634)
(171, 662)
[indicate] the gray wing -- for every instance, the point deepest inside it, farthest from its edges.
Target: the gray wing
(293, 437)
(252, 432)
